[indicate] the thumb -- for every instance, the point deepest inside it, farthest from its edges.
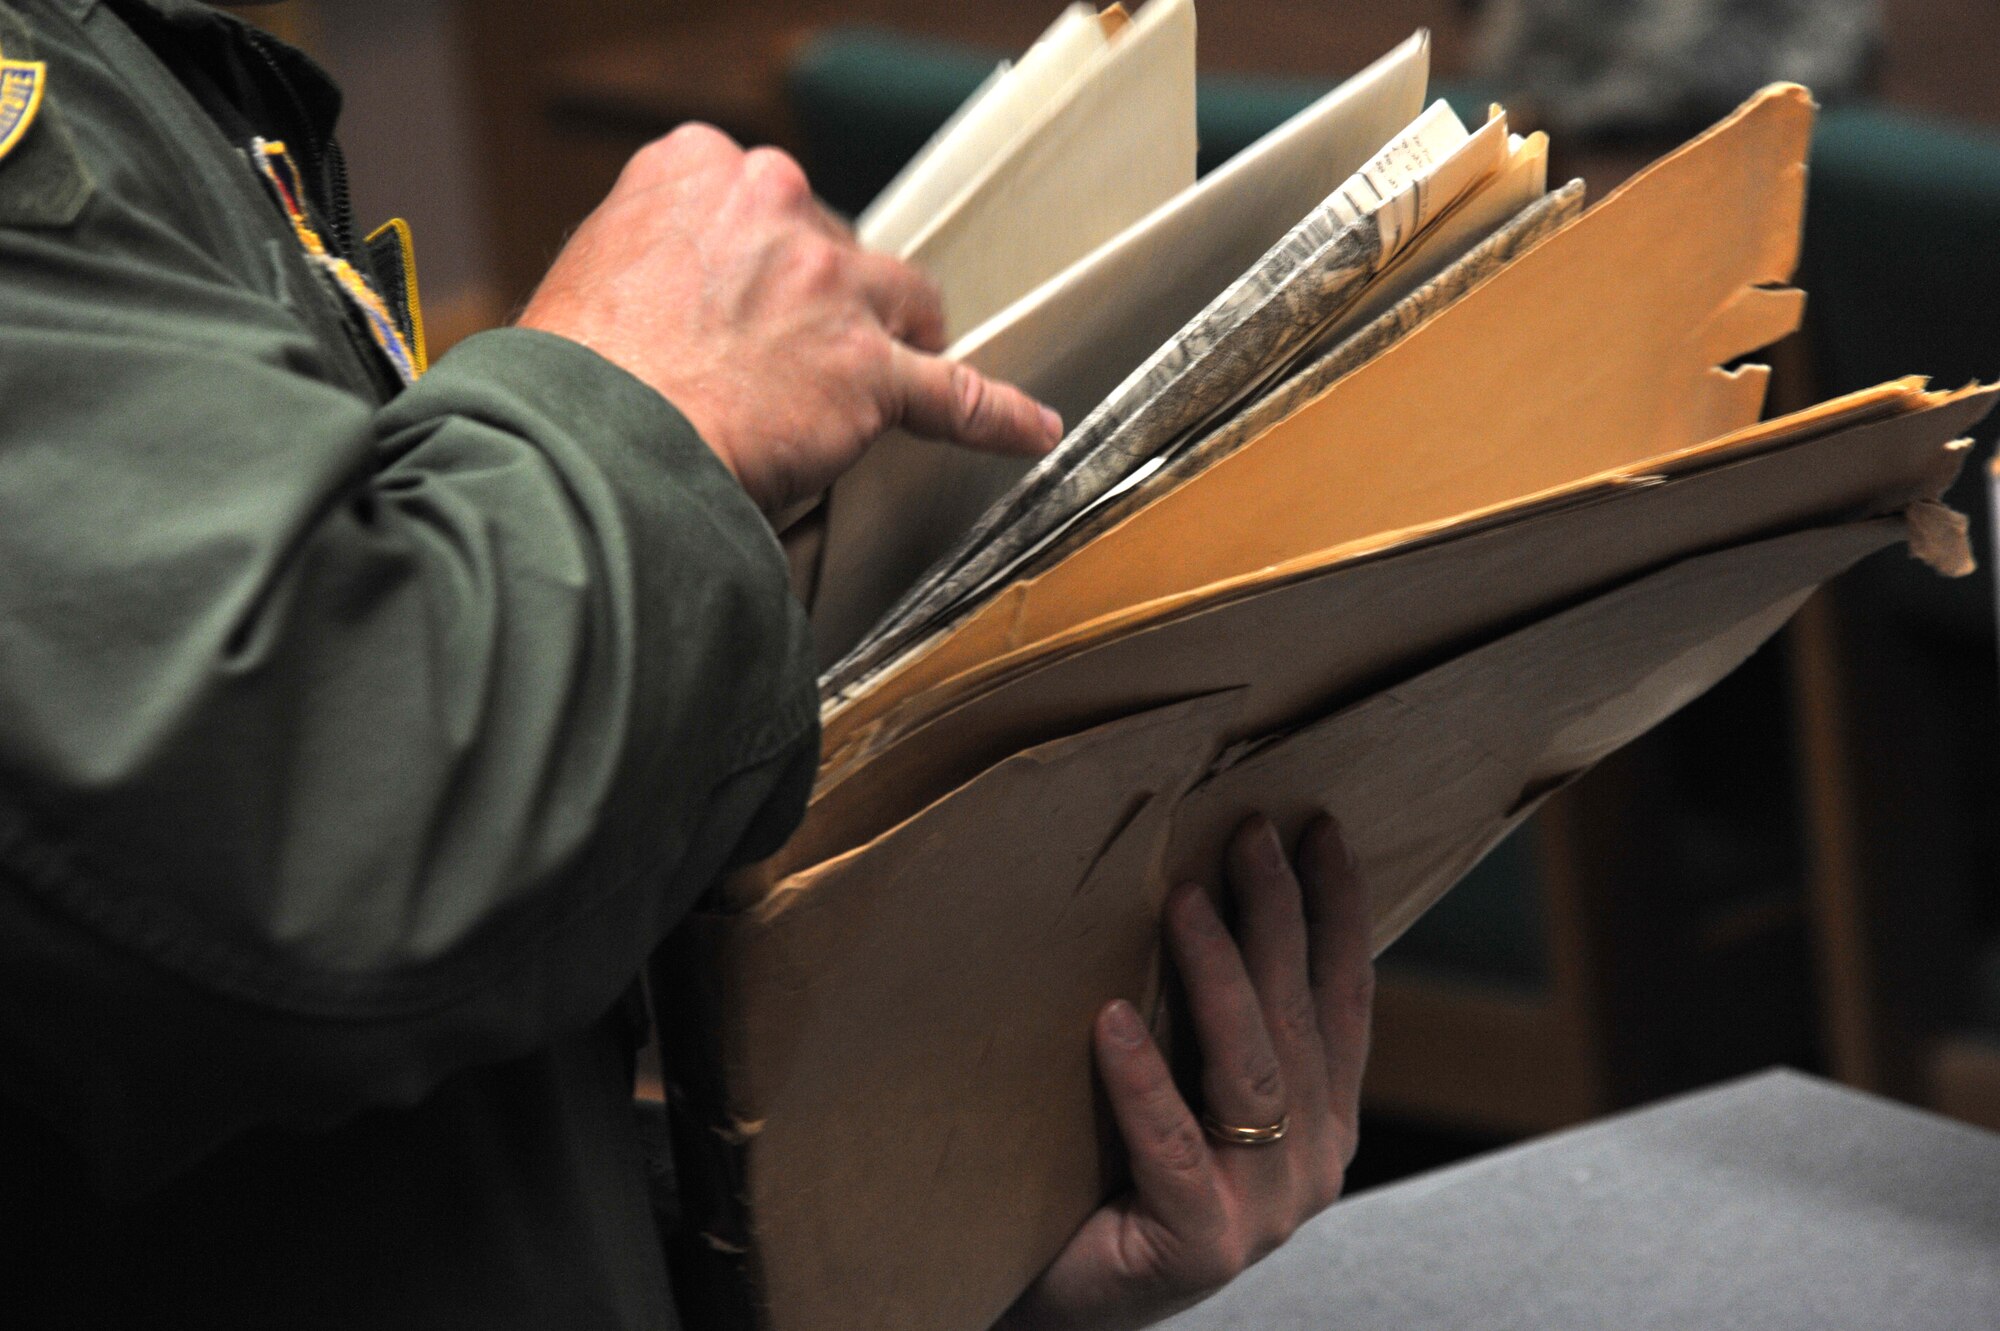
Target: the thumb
(945, 400)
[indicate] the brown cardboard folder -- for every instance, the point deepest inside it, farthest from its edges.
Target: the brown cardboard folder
(1536, 525)
(904, 1087)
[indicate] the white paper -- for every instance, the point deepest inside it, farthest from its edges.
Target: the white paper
(1116, 145)
(1524, 179)
(993, 120)
(1080, 334)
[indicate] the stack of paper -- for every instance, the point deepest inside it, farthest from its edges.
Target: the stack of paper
(1399, 485)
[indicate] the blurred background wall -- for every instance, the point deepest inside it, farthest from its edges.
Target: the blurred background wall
(1803, 867)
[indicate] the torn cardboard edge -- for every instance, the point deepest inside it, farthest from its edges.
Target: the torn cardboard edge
(1854, 411)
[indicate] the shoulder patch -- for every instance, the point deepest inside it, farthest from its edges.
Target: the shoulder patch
(43, 183)
(22, 84)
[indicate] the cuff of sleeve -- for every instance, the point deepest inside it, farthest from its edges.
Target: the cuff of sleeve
(666, 510)
(628, 425)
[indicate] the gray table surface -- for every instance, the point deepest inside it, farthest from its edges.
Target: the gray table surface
(1773, 1203)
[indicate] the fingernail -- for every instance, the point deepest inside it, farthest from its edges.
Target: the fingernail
(1271, 850)
(1198, 913)
(1333, 837)
(1122, 1024)
(1052, 425)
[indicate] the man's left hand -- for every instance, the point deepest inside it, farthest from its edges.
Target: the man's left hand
(1281, 1011)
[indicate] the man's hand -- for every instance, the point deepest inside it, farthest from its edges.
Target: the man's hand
(713, 275)
(1282, 1020)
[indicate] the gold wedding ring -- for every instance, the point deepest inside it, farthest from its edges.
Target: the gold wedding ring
(1235, 1136)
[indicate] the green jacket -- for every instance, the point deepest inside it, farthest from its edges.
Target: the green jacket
(357, 743)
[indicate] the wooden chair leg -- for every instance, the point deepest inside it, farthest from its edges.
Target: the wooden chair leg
(1849, 979)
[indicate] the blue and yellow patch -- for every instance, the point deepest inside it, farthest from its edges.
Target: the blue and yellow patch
(22, 86)
(281, 172)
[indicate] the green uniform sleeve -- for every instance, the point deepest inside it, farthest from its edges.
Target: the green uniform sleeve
(345, 746)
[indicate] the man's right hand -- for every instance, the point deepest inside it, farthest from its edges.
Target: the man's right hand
(713, 275)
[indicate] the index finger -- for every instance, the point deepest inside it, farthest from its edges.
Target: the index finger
(945, 400)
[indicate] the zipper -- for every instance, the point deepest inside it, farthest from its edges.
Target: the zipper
(323, 154)
(335, 159)
(320, 169)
